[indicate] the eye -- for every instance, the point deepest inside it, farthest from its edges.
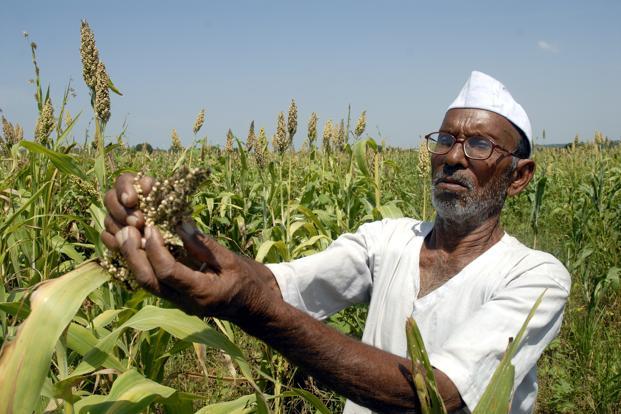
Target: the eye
(445, 140)
(479, 143)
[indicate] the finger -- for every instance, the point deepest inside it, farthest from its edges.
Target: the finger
(135, 218)
(146, 184)
(203, 248)
(123, 216)
(125, 190)
(168, 270)
(130, 242)
(111, 225)
(110, 241)
(116, 210)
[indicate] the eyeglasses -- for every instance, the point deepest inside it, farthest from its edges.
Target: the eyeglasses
(475, 147)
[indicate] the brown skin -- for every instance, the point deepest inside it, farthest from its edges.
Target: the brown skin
(451, 246)
(245, 292)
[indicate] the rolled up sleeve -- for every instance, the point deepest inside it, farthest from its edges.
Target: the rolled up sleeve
(326, 282)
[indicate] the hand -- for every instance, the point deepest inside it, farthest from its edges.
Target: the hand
(225, 285)
(122, 205)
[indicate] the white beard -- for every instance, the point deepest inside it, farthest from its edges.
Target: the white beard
(474, 206)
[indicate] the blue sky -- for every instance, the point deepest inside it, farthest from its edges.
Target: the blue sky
(402, 61)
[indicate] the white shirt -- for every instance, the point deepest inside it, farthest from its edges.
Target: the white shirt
(465, 323)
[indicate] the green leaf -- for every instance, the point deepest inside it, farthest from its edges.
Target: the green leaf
(261, 404)
(113, 88)
(390, 210)
(181, 403)
(242, 156)
(181, 159)
(64, 162)
(303, 247)
(61, 245)
(175, 322)
(266, 247)
(98, 214)
(614, 273)
(25, 362)
(68, 128)
(239, 406)
(82, 340)
(360, 154)
(100, 170)
(21, 310)
(422, 372)
(23, 207)
(107, 316)
(513, 347)
(497, 395)
(130, 393)
(311, 398)
(313, 218)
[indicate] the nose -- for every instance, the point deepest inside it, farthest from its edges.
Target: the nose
(456, 155)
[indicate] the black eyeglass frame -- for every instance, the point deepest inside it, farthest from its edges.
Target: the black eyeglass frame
(463, 141)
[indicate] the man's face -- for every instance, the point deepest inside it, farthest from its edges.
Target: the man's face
(471, 191)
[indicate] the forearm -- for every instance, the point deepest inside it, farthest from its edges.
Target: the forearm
(344, 364)
(246, 292)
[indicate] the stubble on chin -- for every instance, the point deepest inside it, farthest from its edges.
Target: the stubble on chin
(472, 206)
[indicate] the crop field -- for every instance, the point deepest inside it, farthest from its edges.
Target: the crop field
(92, 345)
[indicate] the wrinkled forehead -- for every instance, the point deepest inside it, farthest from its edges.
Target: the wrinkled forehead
(472, 121)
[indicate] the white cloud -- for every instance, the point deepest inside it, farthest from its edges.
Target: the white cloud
(547, 47)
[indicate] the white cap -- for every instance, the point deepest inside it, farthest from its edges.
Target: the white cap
(481, 91)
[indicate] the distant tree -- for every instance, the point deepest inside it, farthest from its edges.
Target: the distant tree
(145, 146)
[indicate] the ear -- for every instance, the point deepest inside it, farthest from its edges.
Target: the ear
(522, 175)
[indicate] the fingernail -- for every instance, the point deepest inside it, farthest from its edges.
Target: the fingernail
(124, 198)
(188, 228)
(148, 232)
(132, 221)
(122, 235)
(143, 242)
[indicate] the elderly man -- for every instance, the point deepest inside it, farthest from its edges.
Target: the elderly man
(468, 284)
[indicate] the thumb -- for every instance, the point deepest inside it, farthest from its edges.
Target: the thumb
(201, 247)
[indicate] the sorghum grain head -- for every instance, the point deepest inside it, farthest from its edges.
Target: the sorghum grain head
(250, 142)
(228, 147)
(312, 129)
(327, 135)
(340, 137)
(102, 95)
(45, 123)
(361, 124)
(68, 118)
(281, 143)
(260, 149)
(198, 123)
(19, 133)
(424, 161)
(599, 138)
(89, 55)
(7, 130)
(292, 121)
(175, 142)
(167, 205)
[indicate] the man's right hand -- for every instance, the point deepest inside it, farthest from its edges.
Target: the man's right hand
(246, 293)
(218, 283)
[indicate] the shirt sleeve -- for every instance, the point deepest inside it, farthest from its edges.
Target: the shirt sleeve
(326, 282)
(471, 354)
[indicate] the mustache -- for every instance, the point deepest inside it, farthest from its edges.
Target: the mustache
(452, 177)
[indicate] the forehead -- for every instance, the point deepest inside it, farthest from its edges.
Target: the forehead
(470, 121)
